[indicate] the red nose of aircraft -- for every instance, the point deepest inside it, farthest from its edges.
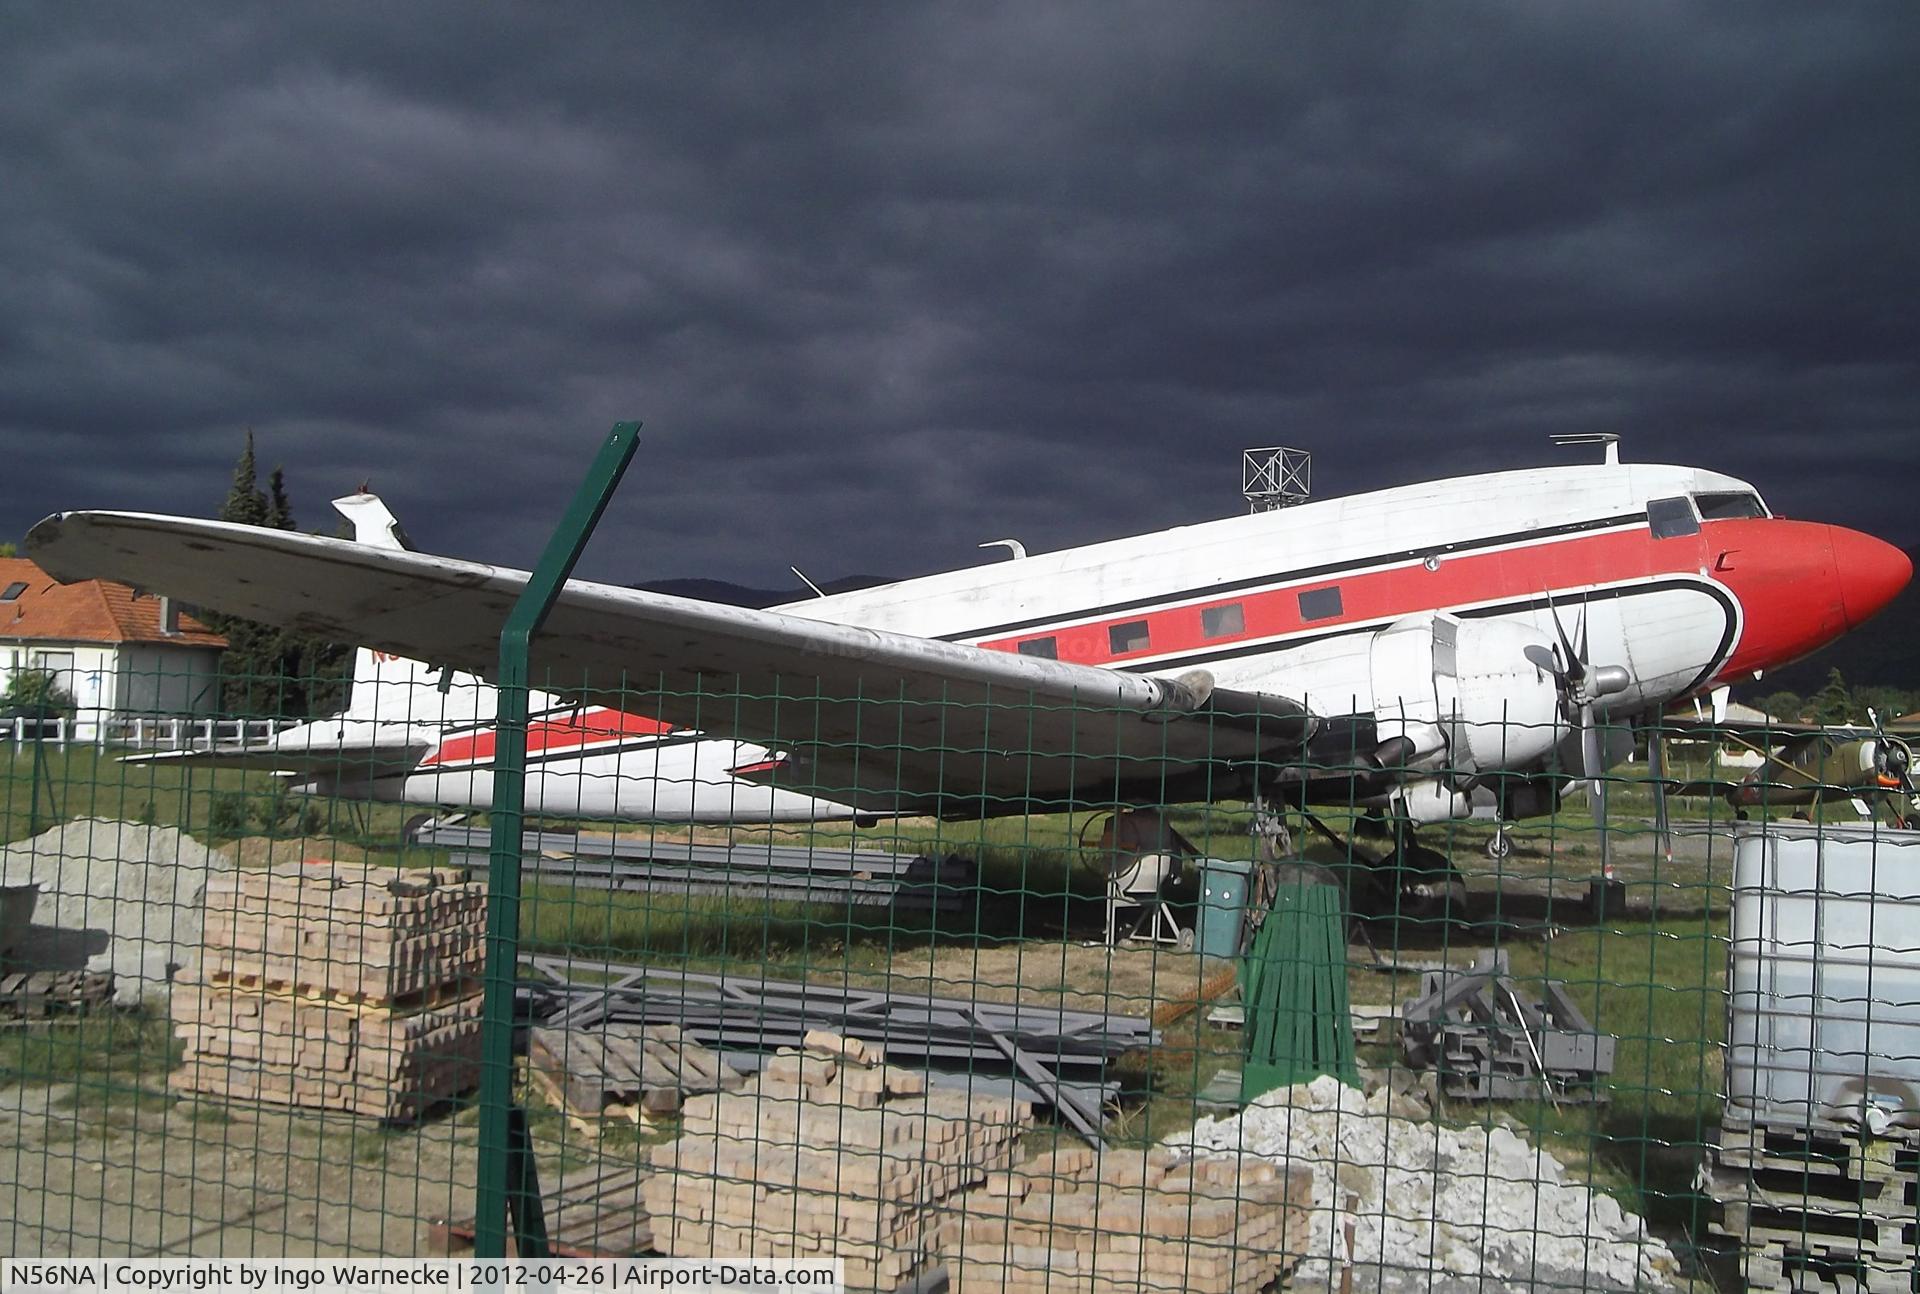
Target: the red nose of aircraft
(1870, 572)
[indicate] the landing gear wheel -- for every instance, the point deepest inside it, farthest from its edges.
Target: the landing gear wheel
(1500, 848)
(1186, 940)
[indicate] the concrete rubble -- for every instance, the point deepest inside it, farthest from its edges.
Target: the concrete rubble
(114, 896)
(335, 986)
(1430, 1207)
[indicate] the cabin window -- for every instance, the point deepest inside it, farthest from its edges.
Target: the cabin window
(1728, 505)
(1042, 647)
(1671, 518)
(13, 591)
(1229, 621)
(1320, 604)
(1131, 636)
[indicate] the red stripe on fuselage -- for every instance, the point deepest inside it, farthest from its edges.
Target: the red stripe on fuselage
(1786, 617)
(1383, 593)
(578, 730)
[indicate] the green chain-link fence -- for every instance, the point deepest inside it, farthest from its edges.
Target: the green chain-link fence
(1048, 1046)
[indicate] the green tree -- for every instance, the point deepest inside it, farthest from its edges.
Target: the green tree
(9, 550)
(1833, 703)
(36, 694)
(245, 504)
(267, 670)
(1782, 705)
(279, 509)
(1887, 702)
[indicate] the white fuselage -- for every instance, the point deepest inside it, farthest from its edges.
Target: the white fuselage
(1292, 601)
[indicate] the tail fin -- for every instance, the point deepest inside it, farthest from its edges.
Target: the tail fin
(389, 688)
(373, 522)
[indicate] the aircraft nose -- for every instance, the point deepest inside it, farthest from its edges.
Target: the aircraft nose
(1871, 573)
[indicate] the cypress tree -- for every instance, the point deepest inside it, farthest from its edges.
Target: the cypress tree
(1833, 703)
(269, 671)
(279, 510)
(245, 504)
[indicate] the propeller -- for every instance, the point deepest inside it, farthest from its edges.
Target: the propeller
(1582, 685)
(1892, 764)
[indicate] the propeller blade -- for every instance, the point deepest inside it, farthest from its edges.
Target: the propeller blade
(1657, 767)
(1598, 799)
(1591, 760)
(1574, 671)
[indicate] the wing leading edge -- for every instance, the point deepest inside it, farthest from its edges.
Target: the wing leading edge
(892, 722)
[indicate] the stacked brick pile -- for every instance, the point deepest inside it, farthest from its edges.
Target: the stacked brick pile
(335, 986)
(829, 1153)
(1128, 1222)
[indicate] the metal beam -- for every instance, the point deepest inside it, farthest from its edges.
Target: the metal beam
(506, 1160)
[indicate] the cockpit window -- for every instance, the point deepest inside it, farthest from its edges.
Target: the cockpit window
(1671, 518)
(1728, 505)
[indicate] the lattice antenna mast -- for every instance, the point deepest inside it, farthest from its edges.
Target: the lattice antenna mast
(1276, 477)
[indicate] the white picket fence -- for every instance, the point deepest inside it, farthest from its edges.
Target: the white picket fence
(157, 733)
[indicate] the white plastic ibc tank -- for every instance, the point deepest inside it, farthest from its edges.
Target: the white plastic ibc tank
(1824, 974)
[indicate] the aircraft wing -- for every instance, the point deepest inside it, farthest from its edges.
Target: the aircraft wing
(1775, 731)
(891, 722)
(1702, 789)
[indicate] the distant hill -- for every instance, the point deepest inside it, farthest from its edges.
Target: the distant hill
(1884, 652)
(740, 595)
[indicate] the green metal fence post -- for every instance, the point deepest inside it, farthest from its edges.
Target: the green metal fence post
(506, 1166)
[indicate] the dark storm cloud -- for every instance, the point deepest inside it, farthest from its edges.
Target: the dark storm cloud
(885, 281)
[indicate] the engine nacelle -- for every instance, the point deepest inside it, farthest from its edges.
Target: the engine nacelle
(1463, 696)
(1429, 800)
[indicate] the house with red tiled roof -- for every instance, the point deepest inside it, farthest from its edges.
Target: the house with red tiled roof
(120, 652)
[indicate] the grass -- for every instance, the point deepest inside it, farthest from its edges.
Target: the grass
(1657, 985)
(111, 1050)
(214, 805)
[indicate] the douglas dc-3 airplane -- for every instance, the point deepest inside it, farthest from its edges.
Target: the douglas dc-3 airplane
(1425, 652)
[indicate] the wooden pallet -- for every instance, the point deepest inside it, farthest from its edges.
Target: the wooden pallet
(625, 1072)
(590, 1213)
(1792, 1188)
(1818, 1205)
(35, 995)
(1792, 1270)
(426, 999)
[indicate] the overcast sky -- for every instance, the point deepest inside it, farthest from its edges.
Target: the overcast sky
(884, 281)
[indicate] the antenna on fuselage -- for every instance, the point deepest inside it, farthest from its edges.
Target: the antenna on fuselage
(818, 592)
(1276, 477)
(1607, 438)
